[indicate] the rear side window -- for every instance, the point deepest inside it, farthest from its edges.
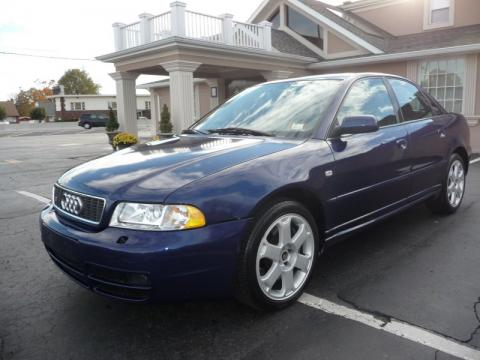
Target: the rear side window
(368, 97)
(85, 117)
(412, 103)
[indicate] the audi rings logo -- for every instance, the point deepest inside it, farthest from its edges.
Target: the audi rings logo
(71, 203)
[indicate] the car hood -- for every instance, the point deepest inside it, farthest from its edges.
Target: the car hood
(151, 171)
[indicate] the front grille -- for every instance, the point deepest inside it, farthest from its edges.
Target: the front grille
(81, 206)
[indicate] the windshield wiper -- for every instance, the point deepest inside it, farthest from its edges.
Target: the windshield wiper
(193, 131)
(239, 131)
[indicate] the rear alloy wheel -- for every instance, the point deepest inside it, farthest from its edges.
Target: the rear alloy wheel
(87, 126)
(453, 189)
(279, 257)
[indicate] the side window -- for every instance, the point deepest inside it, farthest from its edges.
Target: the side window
(368, 97)
(411, 101)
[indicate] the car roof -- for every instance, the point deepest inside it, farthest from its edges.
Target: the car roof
(340, 76)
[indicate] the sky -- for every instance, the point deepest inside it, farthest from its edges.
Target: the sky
(80, 30)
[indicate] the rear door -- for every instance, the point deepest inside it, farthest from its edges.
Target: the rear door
(428, 129)
(371, 172)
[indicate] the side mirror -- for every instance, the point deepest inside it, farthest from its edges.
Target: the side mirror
(360, 124)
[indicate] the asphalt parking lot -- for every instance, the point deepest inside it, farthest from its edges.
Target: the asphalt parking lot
(417, 269)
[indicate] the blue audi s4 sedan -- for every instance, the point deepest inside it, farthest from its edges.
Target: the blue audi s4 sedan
(243, 202)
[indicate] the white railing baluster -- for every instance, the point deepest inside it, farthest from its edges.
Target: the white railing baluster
(190, 24)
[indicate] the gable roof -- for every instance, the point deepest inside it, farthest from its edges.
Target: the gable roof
(10, 108)
(368, 35)
(283, 42)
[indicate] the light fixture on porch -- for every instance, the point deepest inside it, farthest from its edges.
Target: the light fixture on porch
(214, 91)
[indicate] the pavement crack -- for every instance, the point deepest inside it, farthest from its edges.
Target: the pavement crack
(376, 314)
(476, 312)
(388, 318)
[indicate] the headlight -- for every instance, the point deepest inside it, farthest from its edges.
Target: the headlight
(157, 217)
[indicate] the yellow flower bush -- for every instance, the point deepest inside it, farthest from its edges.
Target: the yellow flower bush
(124, 139)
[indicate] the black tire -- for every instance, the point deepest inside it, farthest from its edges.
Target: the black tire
(248, 289)
(440, 204)
(87, 126)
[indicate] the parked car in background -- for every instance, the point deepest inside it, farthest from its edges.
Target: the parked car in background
(88, 121)
(244, 201)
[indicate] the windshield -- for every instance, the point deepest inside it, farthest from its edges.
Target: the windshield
(287, 109)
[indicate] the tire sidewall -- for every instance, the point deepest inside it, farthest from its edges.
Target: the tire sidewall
(253, 243)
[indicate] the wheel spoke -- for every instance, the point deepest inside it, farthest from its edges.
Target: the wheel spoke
(302, 262)
(287, 281)
(272, 275)
(300, 236)
(284, 231)
(271, 251)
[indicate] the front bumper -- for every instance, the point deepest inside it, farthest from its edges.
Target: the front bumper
(142, 266)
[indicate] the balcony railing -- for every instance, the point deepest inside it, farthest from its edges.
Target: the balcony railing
(193, 25)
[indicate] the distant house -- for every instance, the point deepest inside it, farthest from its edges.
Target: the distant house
(11, 110)
(68, 107)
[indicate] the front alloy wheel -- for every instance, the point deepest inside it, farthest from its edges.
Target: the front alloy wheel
(285, 256)
(278, 257)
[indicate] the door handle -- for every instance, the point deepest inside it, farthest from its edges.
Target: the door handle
(402, 143)
(441, 133)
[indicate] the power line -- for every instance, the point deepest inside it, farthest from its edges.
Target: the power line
(46, 57)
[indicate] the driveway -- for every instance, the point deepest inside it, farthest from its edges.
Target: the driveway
(415, 272)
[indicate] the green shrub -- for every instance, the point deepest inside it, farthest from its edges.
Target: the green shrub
(38, 113)
(165, 124)
(112, 123)
(3, 113)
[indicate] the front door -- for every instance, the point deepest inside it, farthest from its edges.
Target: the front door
(371, 171)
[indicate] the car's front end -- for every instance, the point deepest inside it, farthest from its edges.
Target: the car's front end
(168, 220)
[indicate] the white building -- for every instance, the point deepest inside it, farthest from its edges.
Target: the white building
(72, 106)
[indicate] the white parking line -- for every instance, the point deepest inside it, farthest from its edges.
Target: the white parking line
(33, 196)
(71, 144)
(395, 327)
(474, 160)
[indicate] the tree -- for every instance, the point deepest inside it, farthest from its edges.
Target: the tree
(25, 99)
(38, 113)
(3, 113)
(78, 82)
(112, 123)
(165, 124)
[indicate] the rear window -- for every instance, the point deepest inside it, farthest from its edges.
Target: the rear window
(85, 117)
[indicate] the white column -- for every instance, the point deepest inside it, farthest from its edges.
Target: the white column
(214, 101)
(154, 112)
(470, 86)
(118, 36)
(182, 100)
(126, 101)
(412, 70)
(267, 35)
(227, 28)
(178, 18)
(145, 28)
(276, 75)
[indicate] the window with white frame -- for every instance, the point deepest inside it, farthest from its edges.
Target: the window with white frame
(112, 105)
(445, 80)
(147, 105)
(439, 13)
(77, 106)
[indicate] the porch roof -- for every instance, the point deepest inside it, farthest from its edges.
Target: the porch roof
(217, 60)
